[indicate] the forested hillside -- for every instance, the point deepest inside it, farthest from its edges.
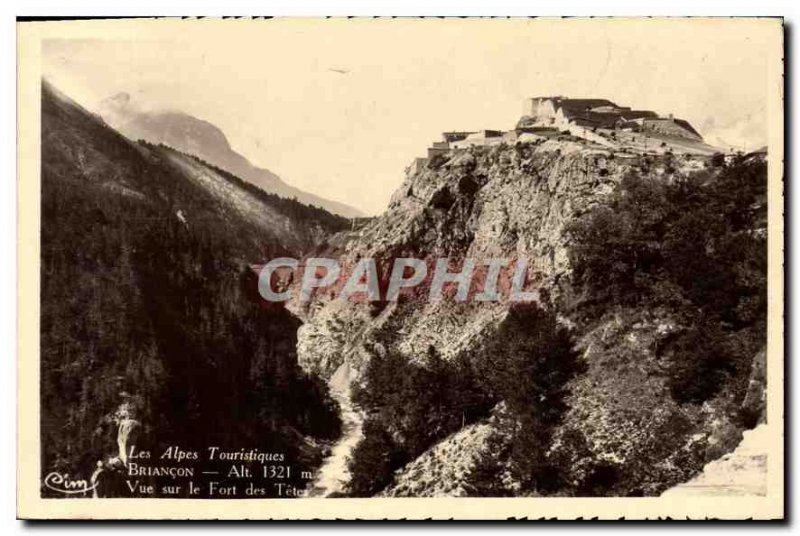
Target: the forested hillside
(148, 307)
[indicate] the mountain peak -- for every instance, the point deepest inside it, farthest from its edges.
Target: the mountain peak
(190, 134)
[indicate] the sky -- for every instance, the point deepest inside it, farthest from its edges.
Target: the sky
(275, 87)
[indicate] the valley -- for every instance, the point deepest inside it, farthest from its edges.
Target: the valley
(637, 367)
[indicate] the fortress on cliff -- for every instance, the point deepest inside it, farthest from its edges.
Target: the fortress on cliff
(593, 121)
(565, 114)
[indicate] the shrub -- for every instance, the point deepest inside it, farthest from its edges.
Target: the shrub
(698, 365)
(688, 246)
(411, 407)
(485, 478)
(373, 461)
(527, 365)
(421, 404)
(529, 368)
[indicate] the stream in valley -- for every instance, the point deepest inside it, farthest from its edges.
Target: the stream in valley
(333, 475)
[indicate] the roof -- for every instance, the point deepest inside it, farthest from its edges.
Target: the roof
(584, 113)
(482, 134)
(685, 124)
(680, 122)
(596, 119)
(629, 115)
(582, 104)
(456, 135)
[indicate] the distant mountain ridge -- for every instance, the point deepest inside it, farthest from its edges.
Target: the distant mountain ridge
(207, 141)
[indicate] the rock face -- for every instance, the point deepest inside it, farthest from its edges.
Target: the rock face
(623, 434)
(741, 472)
(755, 401)
(496, 201)
(444, 470)
(486, 202)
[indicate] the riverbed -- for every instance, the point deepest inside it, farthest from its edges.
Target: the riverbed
(333, 475)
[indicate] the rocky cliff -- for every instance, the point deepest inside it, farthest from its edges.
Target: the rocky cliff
(487, 202)
(482, 203)
(622, 433)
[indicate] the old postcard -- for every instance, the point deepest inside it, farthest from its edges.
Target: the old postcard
(401, 269)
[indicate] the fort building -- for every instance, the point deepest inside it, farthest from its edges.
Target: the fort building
(598, 121)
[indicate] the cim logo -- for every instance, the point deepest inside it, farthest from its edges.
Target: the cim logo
(62, 483)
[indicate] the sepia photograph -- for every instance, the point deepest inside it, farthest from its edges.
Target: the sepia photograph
(401, 268)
